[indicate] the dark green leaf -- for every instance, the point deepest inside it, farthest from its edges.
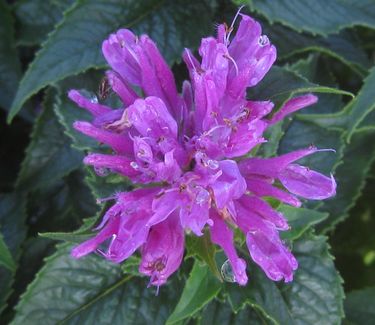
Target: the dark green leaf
(343, 47)
(49, 155)
(36, 18)
(62, 205)
(106, 186)
(363, 104)
(314, 297)
(12, 227)
(315, 69)
(81, 234)
(359, 306)
(221, 313)
(91, 291)
(353, 241)
(351, 175)
(354, 160)
(6, 258)
(10, 68)
(320, 17)
(273, 135)
(280, 84)
(203, 248)
(301, 134)
(300, 220)
(172, 24)
(261, 294)
(200, 288)
(367, 123)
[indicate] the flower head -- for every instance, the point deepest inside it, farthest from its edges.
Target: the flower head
(189, 149)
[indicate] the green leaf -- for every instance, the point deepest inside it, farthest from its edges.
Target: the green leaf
(353, 242)
(172, 24)
(36, 18)
(280, 84)
(106, 186)
(316, 69)
(355, 112)
(81, 234)
(91, 291)
(6, 258)
(10, 67)
(359, 306)
(314, 297)
(273, 135)
(354, 160)
(204, 249)
(49, 155)
(300, 220)
(200, 288)
(62, 205)
(342, 47)
(220, 313)
(301, 134)
(363, 104)
(262, 295)
(13, 230)
(351, 176)
(317, 17)
(367, 123)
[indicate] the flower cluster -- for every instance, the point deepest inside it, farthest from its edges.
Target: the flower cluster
(191, 153)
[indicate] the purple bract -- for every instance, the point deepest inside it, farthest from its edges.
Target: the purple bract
(192, 152)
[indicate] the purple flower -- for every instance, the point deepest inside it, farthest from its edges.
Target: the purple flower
(182, 146)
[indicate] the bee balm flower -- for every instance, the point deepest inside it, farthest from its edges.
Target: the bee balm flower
(188, 151)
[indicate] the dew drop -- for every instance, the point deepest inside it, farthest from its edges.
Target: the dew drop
(227, 272)
(263, 40)
(91, 96)
(202, 196)
(134, 165)
(93, 99)
(213, 164)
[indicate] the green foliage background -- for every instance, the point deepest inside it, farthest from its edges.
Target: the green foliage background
(50, 46)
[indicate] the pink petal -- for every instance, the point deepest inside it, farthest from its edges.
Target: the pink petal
(163, 251)
(119, 164)
(122, 88)
(263, 209)
(230, 185)
(307, 183)
(223, 236)
(263, 188)
(293, 105)
(151, 118)
(121, 143)
(93, 107)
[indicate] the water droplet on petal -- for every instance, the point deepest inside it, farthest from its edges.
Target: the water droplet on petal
(91, 96)
(202, 196)
(213, 164)
(227, 272)
(134, 165)
(263, 40)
